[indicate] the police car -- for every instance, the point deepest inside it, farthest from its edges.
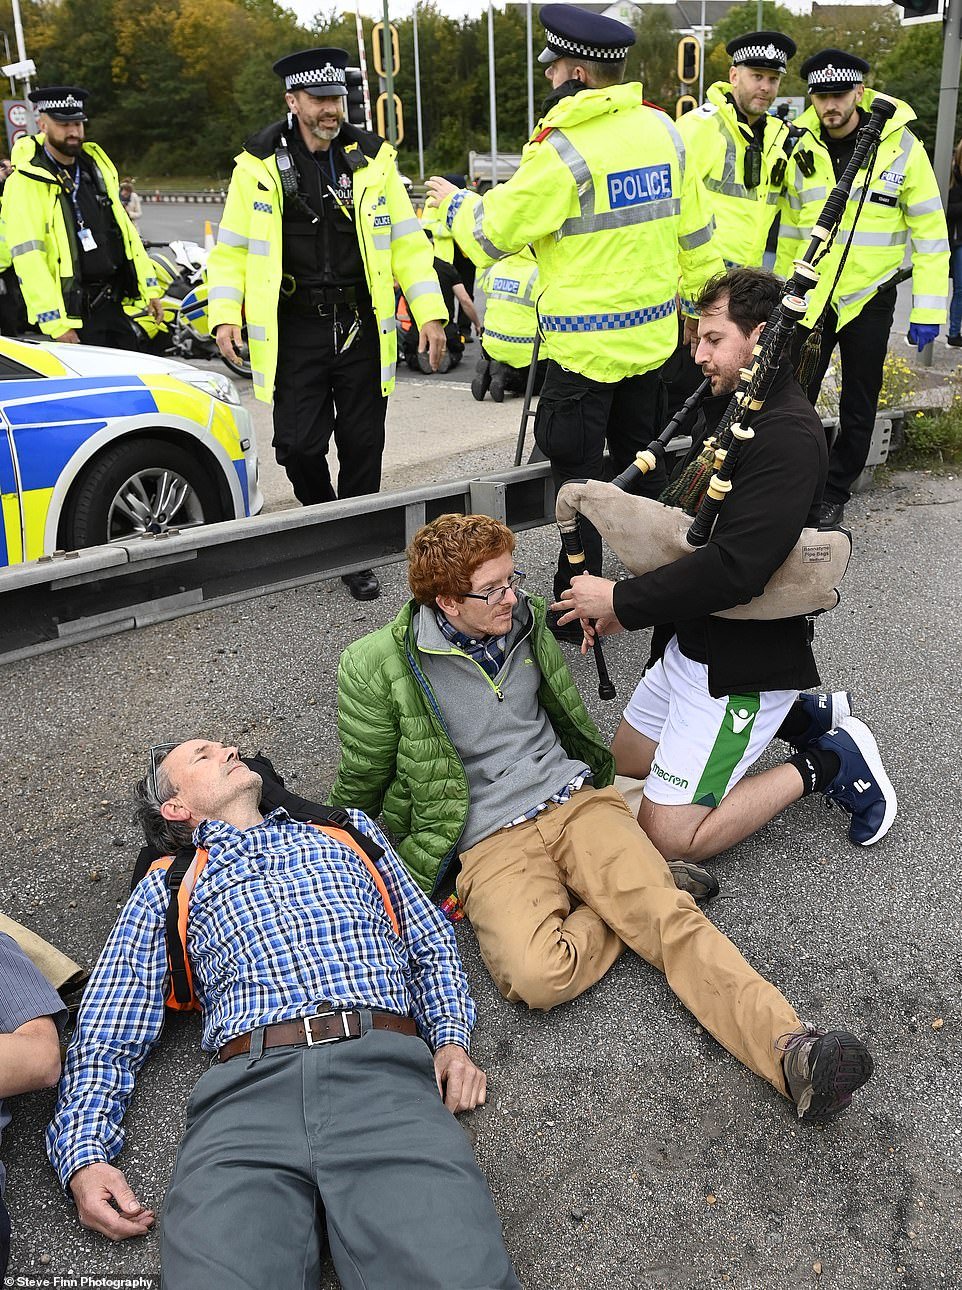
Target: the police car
(99, 445)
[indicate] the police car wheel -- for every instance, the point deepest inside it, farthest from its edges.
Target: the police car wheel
(143, 486)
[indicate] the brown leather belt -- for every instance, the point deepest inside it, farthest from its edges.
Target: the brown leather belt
(322, 1028)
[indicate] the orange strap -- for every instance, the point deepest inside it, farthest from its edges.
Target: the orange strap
(346, 840)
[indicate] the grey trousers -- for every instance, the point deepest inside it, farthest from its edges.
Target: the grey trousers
(352, 1135)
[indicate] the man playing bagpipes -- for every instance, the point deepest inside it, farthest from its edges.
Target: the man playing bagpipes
(718, 689)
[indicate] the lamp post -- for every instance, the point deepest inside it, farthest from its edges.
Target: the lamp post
(492, 97)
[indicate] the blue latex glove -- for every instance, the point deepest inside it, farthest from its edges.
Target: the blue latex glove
(921, 334)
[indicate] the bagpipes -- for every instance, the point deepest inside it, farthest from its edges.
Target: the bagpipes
(647, 534)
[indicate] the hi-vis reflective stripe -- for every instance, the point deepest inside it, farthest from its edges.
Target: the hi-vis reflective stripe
(929, 302)
(23, 247)
(861, 294)
(930, 245)
(512, 340)
(415, 289)
(405, 226)
(259, 378)
(623, 217)
(227, 237)
(928, 207)
(382, 241)
(485, 243)
(509, 295)
(226, 293)
(607, 322)
(388, 373)
(688, 241)
(256, 333)
(257, 246)
(797, 200)
(881, 238)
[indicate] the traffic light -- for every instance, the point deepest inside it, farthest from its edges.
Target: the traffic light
(382, 121)
(686, 103)
(355, 97)
(921, 11)
(689, 60)
(377, 48)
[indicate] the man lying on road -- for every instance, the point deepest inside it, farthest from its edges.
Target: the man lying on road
(325, 985)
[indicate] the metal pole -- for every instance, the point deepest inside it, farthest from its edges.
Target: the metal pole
(527, 28)
(758, 16)
(417, 95)
(492, 103)
(21, 51)
(701, 58)
(387, 59)
(6, 50)
(948, 95)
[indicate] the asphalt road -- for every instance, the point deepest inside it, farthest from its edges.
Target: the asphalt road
(623, 1147)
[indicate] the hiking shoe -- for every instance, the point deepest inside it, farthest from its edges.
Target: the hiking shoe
(823, 710)
(861, 786)
(700, 883)
(823, 1068)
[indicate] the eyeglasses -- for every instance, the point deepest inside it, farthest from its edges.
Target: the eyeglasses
(497, 594)
(157, 754)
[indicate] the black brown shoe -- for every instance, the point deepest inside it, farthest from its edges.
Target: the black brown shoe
(823, 1068)
(831, 514)
(362, 585)
(701, 884)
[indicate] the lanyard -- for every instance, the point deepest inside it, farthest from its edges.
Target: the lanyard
(63, 174)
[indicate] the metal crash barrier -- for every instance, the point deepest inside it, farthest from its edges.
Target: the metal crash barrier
(80, 595)
(77, 596)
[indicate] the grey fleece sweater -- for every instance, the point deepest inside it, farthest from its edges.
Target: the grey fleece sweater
(511, 754)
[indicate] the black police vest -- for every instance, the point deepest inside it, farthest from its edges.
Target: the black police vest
(326, 253)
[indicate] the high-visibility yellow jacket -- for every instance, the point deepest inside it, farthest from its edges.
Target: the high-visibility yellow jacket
(717, 141)
(510, 289)
(245, 267)
(43, 243)
(903, 201)
(432, 223)
(618, 225)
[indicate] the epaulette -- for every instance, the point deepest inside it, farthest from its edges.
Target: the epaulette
(706, 109)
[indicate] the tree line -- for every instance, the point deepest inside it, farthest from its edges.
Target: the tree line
(177, 85)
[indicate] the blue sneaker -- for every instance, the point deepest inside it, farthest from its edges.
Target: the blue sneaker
(824, 710)
(861, 786)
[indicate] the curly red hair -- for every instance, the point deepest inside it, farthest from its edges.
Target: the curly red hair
(444, 555)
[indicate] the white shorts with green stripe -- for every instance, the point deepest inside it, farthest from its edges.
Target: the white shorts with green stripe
(705, 745)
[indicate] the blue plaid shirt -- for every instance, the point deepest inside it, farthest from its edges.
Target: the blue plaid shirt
(487, 651)
(283, 918)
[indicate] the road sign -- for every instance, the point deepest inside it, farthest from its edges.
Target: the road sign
(18, 119)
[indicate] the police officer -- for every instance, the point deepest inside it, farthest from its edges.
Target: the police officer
(737, 147)
(856, 310)
(77, 255)
(510, 289)
(316, 227)
(615, 219)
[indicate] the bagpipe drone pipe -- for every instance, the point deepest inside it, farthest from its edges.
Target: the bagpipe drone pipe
(647, 534)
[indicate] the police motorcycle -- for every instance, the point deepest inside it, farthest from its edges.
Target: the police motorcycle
(183, 276)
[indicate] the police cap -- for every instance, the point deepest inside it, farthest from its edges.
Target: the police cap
(321, 72)
(570, 32)
(61, 102)
(769, 49)
(832, 71)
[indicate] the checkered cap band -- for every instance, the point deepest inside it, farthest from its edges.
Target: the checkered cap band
(68, 104)
(594, 52)
(326, 75)
(831, 74)
(758, 55)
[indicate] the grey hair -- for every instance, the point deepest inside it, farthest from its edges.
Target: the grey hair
(166, 835)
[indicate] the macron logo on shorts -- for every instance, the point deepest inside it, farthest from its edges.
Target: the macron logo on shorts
(741, 717)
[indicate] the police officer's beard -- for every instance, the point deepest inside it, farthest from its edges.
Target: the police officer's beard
(324, 133)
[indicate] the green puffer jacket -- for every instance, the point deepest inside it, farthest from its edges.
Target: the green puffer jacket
(397, 758)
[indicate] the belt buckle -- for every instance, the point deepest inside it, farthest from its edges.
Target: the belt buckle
(333, 1039)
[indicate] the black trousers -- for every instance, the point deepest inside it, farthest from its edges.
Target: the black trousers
(576, 417)
(4, 1238)
(862, 344)
(109, 325)
(320, 392)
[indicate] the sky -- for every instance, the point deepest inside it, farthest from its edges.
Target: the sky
(306, 9)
